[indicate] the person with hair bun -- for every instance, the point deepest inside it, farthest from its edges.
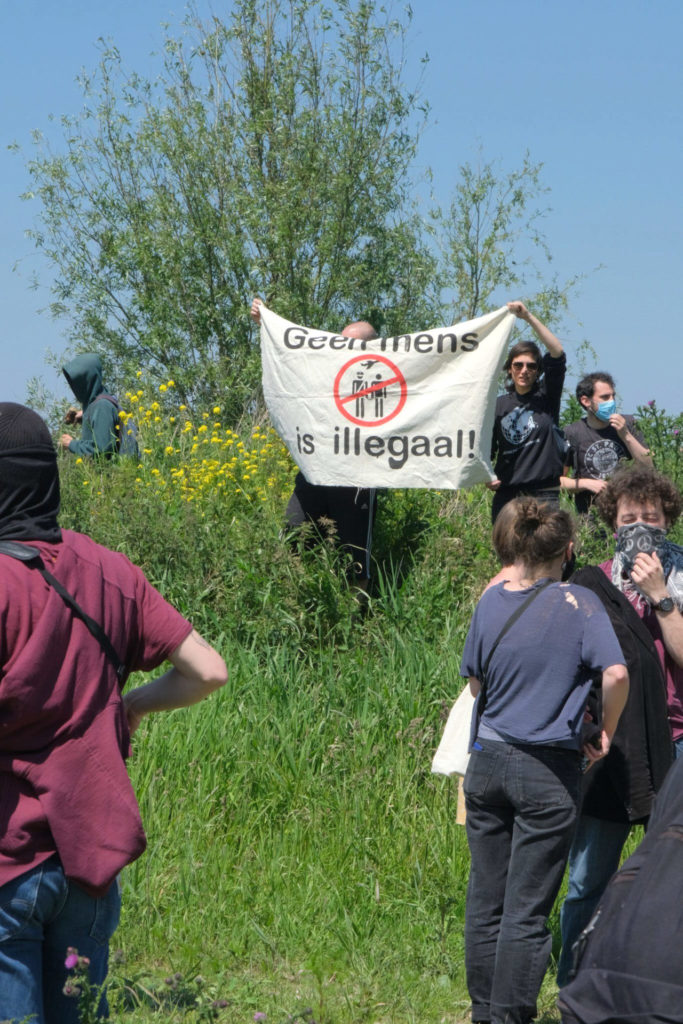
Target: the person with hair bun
(526, 449)
(532, 650)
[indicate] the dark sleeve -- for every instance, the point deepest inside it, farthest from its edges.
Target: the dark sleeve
(98, 435)
(572, 457)
(494, 435)
(471, 662)
(634, 429)
(554, 370)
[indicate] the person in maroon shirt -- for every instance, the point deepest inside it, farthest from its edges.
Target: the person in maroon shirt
(640, 505)
(69, 820)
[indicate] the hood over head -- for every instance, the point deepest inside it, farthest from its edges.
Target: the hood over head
(84, 374)
(29, 480)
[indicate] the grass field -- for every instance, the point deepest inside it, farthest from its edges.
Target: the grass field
(303, 862)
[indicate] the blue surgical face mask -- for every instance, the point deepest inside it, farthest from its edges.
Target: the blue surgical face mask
(605, 410)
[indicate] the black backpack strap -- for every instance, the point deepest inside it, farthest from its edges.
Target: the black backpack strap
(26, 553)
(22, 552)
(481, 703)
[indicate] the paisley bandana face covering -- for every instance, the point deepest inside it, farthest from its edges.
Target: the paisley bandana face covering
(637, 537)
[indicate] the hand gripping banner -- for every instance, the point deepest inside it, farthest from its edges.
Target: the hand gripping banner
(415, 410)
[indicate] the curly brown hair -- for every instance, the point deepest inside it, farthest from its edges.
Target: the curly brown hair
(639, 483)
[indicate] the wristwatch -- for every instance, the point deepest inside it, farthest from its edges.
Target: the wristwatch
(665, 605)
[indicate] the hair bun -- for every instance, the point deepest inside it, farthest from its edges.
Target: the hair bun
(533, 513)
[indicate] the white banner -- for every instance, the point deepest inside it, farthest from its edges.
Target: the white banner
(415, 410)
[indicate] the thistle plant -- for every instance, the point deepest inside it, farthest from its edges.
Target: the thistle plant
(78, 986)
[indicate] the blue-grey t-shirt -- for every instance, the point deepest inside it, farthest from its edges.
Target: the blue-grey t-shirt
(540, 673)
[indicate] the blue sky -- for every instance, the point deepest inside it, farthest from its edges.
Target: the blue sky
(592, 88)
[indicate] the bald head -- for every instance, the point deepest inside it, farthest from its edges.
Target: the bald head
(361, 329)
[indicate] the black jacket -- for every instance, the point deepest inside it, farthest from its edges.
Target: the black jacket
(621, 786)
(631, 970)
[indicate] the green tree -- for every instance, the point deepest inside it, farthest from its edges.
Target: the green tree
(491, 243)
(269, 156)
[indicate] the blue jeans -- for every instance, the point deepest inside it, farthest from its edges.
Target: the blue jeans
(521, 808)
(41, 914)
(593, 859)
(678, 747)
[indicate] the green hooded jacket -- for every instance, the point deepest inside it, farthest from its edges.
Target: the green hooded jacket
(98, 435)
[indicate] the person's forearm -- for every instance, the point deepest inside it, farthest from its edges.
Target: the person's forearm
(167, 692)
(671, 625)
(638, 451)
(614, 695)
(197, 671)
(81, 447)
(546, 336)
(582, 483)
(648, 575)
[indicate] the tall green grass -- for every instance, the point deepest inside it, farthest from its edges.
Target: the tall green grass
(301, 855)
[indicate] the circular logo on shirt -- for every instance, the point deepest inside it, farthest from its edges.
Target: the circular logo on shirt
(602, 458)
(517, 425)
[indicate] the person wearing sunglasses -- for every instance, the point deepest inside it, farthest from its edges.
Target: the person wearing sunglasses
(528, 450)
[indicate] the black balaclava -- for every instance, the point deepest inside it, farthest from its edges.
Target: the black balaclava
(29, 481)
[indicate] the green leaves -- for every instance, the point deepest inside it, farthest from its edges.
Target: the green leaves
(267, 157)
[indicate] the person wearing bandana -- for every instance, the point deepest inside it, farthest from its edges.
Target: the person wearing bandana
(641, 588)
(599, 441)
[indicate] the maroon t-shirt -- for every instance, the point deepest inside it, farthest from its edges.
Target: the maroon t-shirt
(63, 730)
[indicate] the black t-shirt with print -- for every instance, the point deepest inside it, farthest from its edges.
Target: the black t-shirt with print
(596, 453)
(524, 446)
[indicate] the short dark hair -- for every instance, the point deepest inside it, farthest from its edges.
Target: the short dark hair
(640, 483)
(531, 531)
(523, 348)
(586, 386)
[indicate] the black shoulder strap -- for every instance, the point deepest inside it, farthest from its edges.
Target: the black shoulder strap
(481, 703)
(26, 553)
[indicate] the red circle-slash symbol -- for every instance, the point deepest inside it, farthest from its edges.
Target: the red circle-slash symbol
(363, 395)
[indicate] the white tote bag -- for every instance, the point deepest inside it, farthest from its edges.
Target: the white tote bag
(452, 754)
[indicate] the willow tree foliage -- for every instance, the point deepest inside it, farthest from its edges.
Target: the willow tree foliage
(491, 241)
(270, 156)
